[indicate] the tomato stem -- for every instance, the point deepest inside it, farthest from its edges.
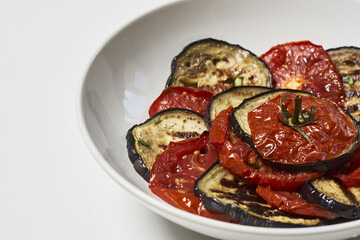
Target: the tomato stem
(299, 118)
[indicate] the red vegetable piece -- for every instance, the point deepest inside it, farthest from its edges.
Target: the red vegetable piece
(331, 132)
(292, 202)
(277, 180)
(187, 202)
(219, 127)
(175, 171)
(305, 66)
(181, 97)
(350, 177)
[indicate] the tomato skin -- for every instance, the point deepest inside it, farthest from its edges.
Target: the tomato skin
(305, 66)
(292, 202)
(331, 132)
(219, 127)
(181, 97)
(280, 180)
(233, 154)
(350, 177)
(351, 180)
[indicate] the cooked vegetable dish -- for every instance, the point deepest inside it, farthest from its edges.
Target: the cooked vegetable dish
(270, 141)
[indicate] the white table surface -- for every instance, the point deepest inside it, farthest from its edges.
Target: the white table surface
(50, 185)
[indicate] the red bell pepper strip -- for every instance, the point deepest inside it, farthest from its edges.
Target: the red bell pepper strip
(292, 202)
(277, 180)
(219, 127)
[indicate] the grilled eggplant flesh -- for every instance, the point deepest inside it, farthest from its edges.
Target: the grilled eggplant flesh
(147, 140)
(347, 62)
(213, 65)
(231, 97)
(222, 191)
(331, 194)
(239, 121)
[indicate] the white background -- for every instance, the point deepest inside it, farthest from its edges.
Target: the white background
(50, 186)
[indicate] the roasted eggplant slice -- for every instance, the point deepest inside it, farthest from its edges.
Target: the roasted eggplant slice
(231, 97)
(147, 140)
(221, 191)
(213, 65)
(347, 62)
(331, 194)
(296, 131)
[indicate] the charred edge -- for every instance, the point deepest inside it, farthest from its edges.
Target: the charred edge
(314, 166)
(135, 158)
(344, 47)
(312, 195)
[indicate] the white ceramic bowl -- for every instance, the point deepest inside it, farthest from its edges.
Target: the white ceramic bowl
(131, 69)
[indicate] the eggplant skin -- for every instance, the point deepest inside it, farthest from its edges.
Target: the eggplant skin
(332, 195)
(239, 123)
(230, 97)
(213, 65)
(221, 191)
(173, 124)
(347, 63)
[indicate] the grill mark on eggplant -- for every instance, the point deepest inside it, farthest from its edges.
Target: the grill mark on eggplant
(162, 146)
(185, 134)
(347, 63)
(352, 93)
(352, 61)
(350, 196)
(169, 129)
(221, 191)
(353, 108)
(245, 194)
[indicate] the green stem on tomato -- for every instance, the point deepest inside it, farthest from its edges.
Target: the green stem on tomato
(298, 118)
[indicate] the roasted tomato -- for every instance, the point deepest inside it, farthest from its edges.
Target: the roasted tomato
(305, 66)
(331, 134)
(230, 158)
(292, 202)
(175, 171)
(237, 156)
(181, 97)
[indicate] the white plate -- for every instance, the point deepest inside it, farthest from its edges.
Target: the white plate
(131, 69)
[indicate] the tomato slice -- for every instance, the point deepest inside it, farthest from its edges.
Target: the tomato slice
(175, 171)
(305, 66)
(292, 202)
(331, 132)
(276, 179)
(181, 97)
